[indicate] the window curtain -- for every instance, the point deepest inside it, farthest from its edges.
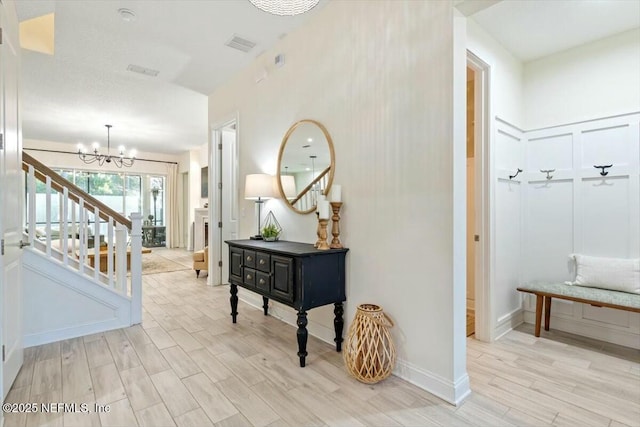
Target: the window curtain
(174, 223)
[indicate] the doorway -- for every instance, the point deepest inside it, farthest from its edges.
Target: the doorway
(479, 323)
(471, 213)
(223, 201)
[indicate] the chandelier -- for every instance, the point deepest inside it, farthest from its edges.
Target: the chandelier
(285, 7)
(120, 160)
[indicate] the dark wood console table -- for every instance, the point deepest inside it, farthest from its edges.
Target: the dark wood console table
(294, 274)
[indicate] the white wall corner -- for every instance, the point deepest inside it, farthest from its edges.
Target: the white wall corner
(453, 392)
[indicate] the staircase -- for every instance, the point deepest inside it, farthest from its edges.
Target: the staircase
(75, 272)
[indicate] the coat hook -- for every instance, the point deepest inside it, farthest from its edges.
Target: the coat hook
(604, 172)
(548, 172)
(513, 176)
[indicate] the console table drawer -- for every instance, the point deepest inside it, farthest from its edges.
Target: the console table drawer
(249, 259)
(263, 281)
(262, 261)
(249, 277)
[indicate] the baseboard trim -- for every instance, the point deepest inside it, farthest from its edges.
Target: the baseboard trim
(451, 392)
(507, 323)
(591, 330)
(290, 317)
(47, 337)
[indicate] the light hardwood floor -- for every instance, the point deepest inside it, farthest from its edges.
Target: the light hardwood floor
(188, 365)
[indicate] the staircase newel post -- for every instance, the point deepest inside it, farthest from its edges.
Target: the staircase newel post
(136, 268)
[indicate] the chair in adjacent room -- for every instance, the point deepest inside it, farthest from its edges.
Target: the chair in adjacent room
(201, 260)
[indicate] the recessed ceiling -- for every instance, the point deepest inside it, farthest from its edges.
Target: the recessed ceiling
(534, 29)
(68, 97)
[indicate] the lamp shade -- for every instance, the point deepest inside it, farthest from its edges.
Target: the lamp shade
(258, 186)
(288, 186)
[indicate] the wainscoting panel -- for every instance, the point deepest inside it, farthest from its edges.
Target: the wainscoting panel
(550, 152)
(607, 144)
(605, 217)
(509, 156)
(579, 210)
(548, 230)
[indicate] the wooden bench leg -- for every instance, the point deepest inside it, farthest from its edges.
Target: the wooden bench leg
(539, 302)
(547, 312)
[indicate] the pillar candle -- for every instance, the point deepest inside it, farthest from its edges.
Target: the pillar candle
(336, 193)
(323, 209)
(321, 197)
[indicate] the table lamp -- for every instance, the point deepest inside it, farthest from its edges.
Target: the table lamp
(258, 187)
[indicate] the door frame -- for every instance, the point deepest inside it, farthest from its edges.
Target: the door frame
(484, 196)
(11, 233)
(215, 201)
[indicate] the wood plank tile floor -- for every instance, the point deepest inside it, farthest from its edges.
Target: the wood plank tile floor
(187, 365)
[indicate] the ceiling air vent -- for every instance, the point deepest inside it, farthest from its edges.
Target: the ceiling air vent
(240, 43)
(142, 70)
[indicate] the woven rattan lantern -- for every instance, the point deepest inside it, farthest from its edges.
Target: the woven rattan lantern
(370, 354)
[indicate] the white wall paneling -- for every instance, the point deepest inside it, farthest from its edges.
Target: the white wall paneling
(581, 211)
(509, 155)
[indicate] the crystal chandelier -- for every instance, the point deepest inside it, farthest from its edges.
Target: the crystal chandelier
(285, 7)
(120, 160)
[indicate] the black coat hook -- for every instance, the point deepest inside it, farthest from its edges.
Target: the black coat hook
(513, 176)
(604, 172)
(548, 172)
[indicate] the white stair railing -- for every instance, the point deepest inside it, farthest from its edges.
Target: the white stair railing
(106, 262)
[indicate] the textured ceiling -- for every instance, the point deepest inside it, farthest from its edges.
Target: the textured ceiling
(70, 96)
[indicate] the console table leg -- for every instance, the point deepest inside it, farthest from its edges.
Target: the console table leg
(234, 301)
(265, 305)
(302, 336)
(338, 325)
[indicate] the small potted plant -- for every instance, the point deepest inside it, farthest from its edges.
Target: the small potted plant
(270, 233)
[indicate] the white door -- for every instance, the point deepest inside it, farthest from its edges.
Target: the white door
(11, 199)
(226, 200)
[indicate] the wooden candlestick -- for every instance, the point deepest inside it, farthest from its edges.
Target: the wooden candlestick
(335, 229)
(323, 245)
(315, 245)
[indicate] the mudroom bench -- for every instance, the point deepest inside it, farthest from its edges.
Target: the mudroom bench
(594, 296)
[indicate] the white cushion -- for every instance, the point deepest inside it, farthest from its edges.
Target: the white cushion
(617, 274)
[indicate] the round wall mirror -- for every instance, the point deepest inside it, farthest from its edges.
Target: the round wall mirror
(306, 165)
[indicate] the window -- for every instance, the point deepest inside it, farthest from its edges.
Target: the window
(156, 201)
(122, 192)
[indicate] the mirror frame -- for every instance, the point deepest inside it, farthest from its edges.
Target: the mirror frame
(332, 166)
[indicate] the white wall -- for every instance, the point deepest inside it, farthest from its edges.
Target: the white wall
(192, 162)
(595, 80)
(386, 98)
(505, 156)
(506, 97)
